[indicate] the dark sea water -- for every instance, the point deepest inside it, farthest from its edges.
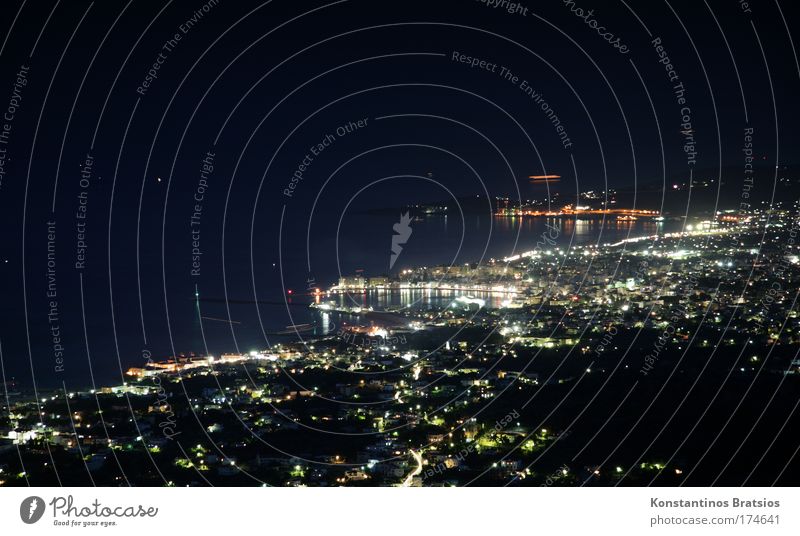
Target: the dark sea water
(438, 240)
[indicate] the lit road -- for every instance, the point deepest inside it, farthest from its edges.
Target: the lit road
(415, 472)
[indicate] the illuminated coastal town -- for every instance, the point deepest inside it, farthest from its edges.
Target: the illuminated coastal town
(478, 374)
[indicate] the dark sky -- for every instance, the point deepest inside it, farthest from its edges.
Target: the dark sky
(260, 84)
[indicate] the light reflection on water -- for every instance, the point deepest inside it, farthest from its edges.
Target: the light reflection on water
(426, 299)
(580, 231)
(396, 301)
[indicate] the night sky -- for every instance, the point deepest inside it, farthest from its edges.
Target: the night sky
(124, 120)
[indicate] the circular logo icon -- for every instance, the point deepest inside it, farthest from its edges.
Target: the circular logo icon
(31, 510)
